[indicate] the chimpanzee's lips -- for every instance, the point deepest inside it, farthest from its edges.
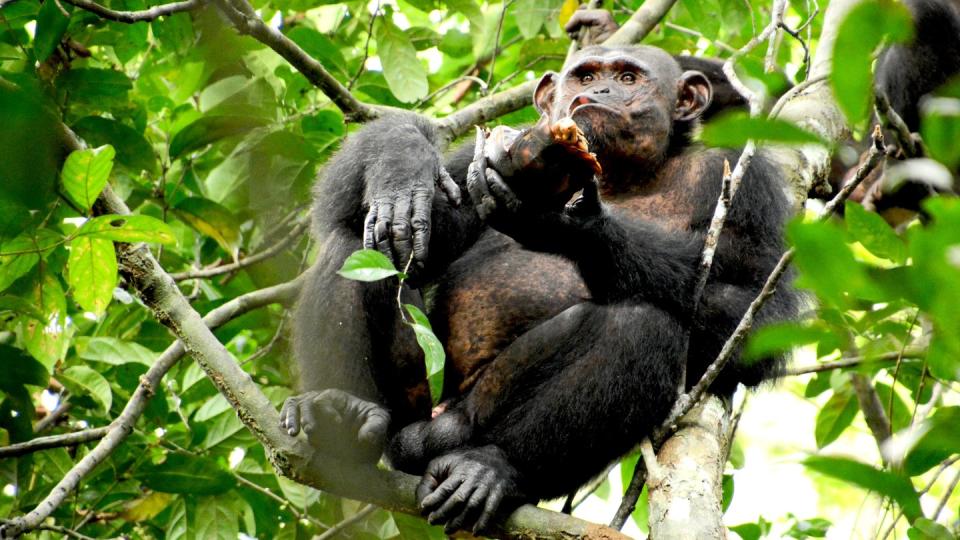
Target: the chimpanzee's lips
(585, 102)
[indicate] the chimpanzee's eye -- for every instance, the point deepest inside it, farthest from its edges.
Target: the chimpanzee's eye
(628, 78)
(586, 78)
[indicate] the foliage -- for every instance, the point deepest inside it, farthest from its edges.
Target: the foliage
(213, 140)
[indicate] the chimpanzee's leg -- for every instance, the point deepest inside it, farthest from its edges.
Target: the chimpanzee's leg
(564, 400)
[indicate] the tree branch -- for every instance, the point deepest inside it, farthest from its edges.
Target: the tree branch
(855, 361)
(872, 409)
(295, 233)
(641, 22)
(53, 441)
(130, 17)
(246, 21)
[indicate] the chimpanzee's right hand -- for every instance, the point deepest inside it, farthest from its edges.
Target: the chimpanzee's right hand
(338, 423)
(401, 178)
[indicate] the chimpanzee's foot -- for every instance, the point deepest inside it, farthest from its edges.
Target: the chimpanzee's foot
(337, 422)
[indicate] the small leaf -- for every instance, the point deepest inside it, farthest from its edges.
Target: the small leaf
(864, 27)
(113, 351)
(434, 355)
(181, 473)
(835, 416)
(213, 220)
(940, 129)
(733, 130)
(780, 338)
(405, 74)
(90, 382)
(85, 173)
(134, 228)
(927, 529)
(859, 474)
(872, 231)
(210, 129)
(92, 273)
(146, 508)
(368, 265)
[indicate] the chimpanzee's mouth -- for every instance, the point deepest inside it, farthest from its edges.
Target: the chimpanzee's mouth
(583, 102)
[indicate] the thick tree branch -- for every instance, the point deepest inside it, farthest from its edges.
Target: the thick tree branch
(53, 441)
(246, 21)
(129, 17)
(872, 409)
(295, 233)
(641, 22)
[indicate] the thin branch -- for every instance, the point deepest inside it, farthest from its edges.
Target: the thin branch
(946, 496)
(53, 441)
(295, 233)
(130, 17)
(908, 142)
(300, 516)
(55, 415)
(855, 361)
(246, 21)
(726, 47)
(339, 527)
(872, 409)
(366, 47)
(944, 465)
(65, 532)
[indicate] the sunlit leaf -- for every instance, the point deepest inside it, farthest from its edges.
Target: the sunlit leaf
(834, 417)
(432, 350)
(940, 128)
(872, 231)
(213, 220)
(210, 129)
(939, 440)
(862, 475)
(92, 272)
(85, 174)
(130, 229)
(404, 73)
(51, 25)
(113, 351)
(367, 265)
(85, 380)
(733, 130)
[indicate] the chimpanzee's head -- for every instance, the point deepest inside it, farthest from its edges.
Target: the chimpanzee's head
(632, 103)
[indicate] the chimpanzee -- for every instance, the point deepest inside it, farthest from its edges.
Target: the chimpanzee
(564, 323)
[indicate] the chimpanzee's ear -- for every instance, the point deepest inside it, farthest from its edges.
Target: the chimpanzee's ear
(694, 94)
(543, 95)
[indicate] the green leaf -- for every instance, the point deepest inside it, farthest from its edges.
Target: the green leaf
(51, 25)
(415, 528)
(113, 351)
(85, 173)
(211, 408)
(432, 350)
(223, 426)
(130, 229)
(211, 219)
(809, 528)
(133, 150)
(210, 129)
(863, 29)
(732, 130)
(531, 14)
(181, 473)
(827, 265)
(859, 474)
(368, 265)
(872, 231)
(182, 518)
(940, 129)
(84, 380)
(218, 518)
(320, 47)
(92, 273)
(939, 440)
(405, 74)
(21, 306)
(926, 529)
(455, 43)
(25, 251)
(95, 86)
(836, 415)
(47, 340)
(780, 338)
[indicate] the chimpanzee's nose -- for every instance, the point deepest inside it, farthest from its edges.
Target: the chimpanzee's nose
(601, 89)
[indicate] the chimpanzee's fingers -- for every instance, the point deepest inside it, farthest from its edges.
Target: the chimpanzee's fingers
(422, 208)
(501, 191)
(428, 483)
(290, 416)
(449, 187)
(374, 428)
(471, 509)
(401, 231)
(489, 508)
(381, 231)
(441, 493)
(451, 508)
(369, 226)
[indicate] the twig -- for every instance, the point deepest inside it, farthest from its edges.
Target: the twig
(944, 465)
(429, 97)
(65, 532)
(366, 47)
(855, 361)
(946, 496)
(496, 40)
(908, 142)
(246, 21)
(130, 17)
(300, 516)
(339, 527)
(295, 233)
(53, 441)
(872, 409)
(795, 34)
(263, 351)
(55, 415)
(654, 472)
(696, 33)
(896, 369)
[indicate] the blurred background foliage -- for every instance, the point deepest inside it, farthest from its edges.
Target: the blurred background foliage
(213, 140)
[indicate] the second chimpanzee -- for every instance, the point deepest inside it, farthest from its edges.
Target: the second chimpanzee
(564, 324)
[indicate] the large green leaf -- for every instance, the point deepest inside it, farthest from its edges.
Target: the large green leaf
(320, 47)
(95, 86)
(213, 220)
(859, 474)
(85, 380)
(47, 340)
(863, 29)
(835, 416)
(51, 25)
(872, 231)
(113, 351)
(85, 173)
(218, 518)
(432, 349)
(939, 440)
(92, 272)
(940, 129)
(133, 150)
(19, 369)
(367, 265)
(401, 67)
(180, 473)
(210, 129)
(733, 130)
(24, 252)
(130, 229)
